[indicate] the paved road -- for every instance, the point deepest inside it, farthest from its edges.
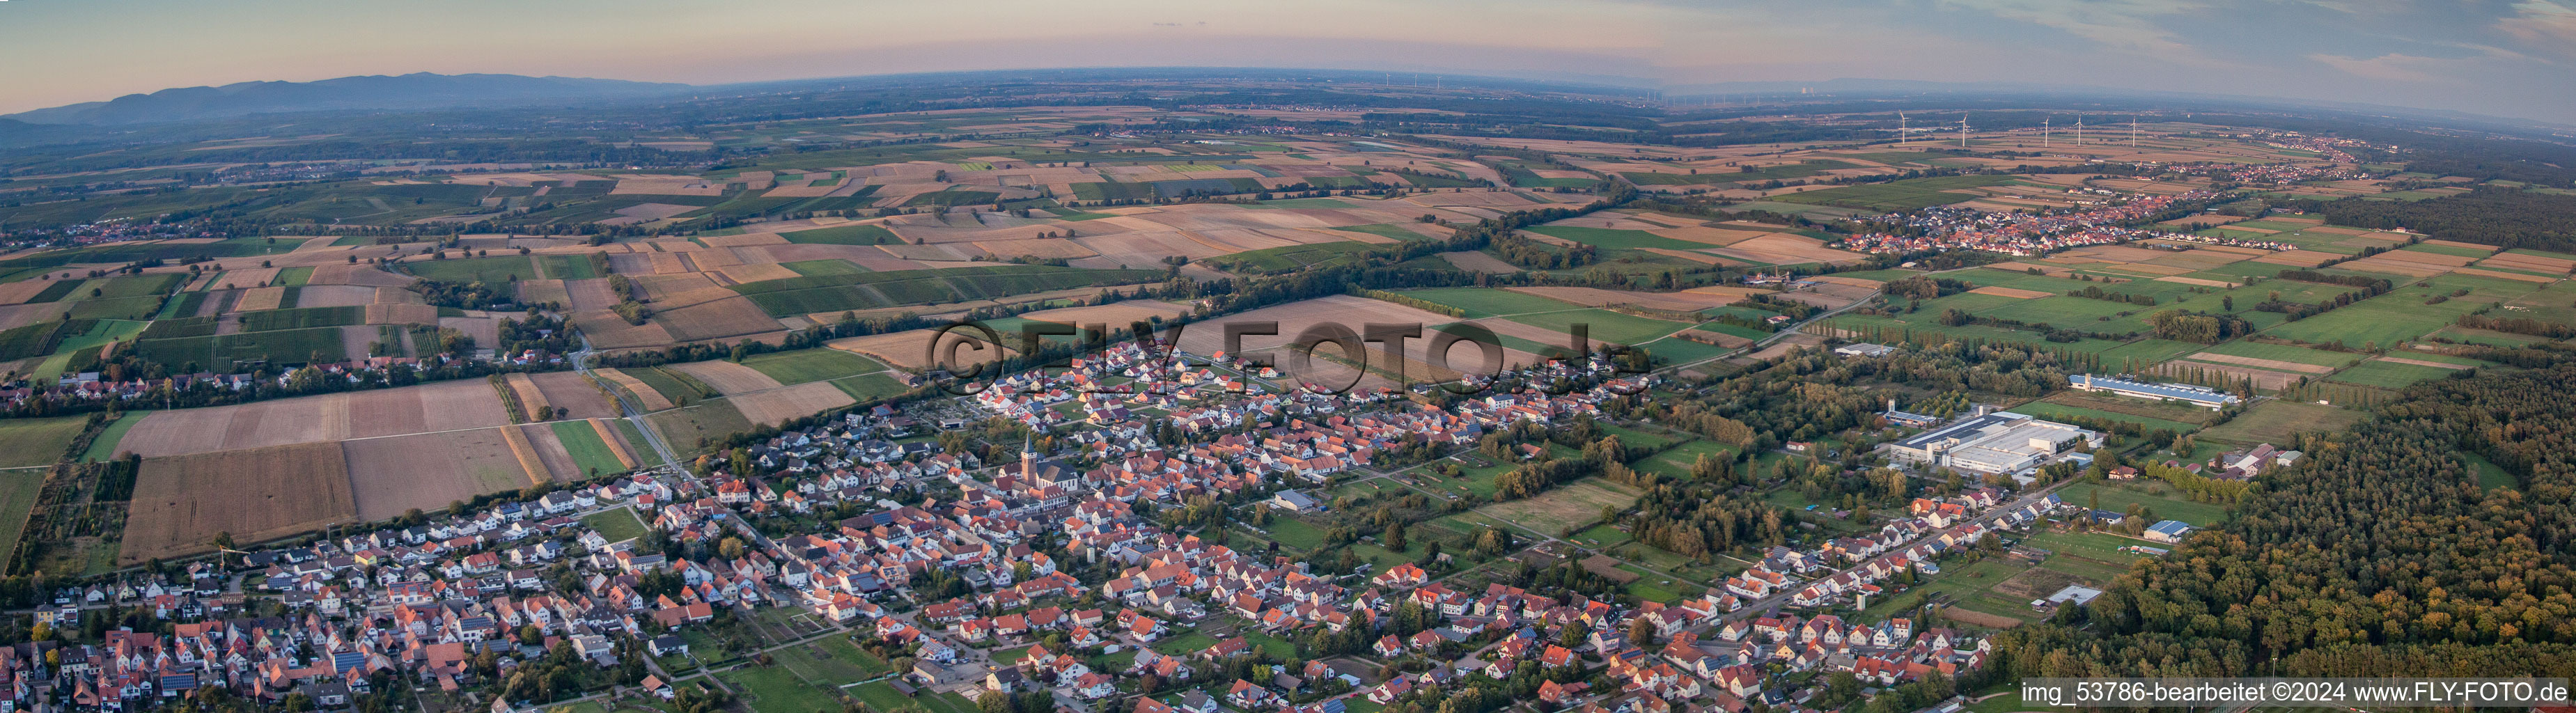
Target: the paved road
(634, 411)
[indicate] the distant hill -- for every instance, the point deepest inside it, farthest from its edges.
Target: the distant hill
(410, 91)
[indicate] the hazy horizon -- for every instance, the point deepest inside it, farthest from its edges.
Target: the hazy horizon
(2507, 59)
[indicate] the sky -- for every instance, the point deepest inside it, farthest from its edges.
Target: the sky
(2512, 58)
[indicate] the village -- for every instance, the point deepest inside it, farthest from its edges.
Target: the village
(1026, 575)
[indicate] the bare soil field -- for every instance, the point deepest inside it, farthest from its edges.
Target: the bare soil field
(910, 349)
(1782, 347)
(428, 470)
(1784, 248)
(550, 450)
(334, 296)
(484, 330)
(608, 331)
(20, 291)
(730, 317)
(773, 406)
(651, 400)
(1718, 237)
(257, 494)
(2458, 244)
(2531, 262)
(727, 377)
(567, 390)
(439, 406)
(2203, 220)
(756, 273)
(2012, 292)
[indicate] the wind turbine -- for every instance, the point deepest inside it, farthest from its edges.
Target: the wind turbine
(2079, 129)
(2133, 131)
(2043, 131)
(1900, 128)
(1963, 131)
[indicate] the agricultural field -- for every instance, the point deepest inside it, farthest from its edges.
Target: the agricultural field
(1564, 506)
(2276, 421)
(1898, 195)
(28, 442)
(181, 502)
(817, 364)
(618, 525)
(2159, 499)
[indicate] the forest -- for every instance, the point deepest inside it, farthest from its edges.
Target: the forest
(2503, 217)
(2381, 555)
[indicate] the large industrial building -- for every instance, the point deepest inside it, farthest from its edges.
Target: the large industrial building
(1999, 442)
(2203, 397)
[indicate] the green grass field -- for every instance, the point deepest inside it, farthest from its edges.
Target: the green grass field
(589, 453)
(37, 441)
(2052, 411)
(2276, 421)
(779, 690)
(1566, 505)
(1295, 533)
(1604, 325)
(669, 384)
(816, 364)
(1297, 257)
(1481, 302)
(18, 490)
(103, 448)
(617, 525)
(868, 387)
(2160, 506)
(2389, 374)
(1676, 462)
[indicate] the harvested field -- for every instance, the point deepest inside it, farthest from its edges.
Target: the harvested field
(727, 377)
(756, 273)
(617, 445)
(1691, 255)
(259, 298)
(361, 275)
(529, 397)
(910, 349)
(1978, 618)
(1720, 339)
(729, 317)
(525, 454)
(1783, 347)
(588, 294)
(2458, 244)
(429, 470)
(1784, 249)
(1715, 237)
(650, 399)
(1479, 262)
(1040, 248)
(2012, 292)
(438, 406)
(773, 406)
(2273, 364)
(567, 390)
(2503, 275)
(712, 419)
(334, 296)
(608, 331)
(258, 494)
(484, 330)
(558, 461)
